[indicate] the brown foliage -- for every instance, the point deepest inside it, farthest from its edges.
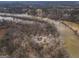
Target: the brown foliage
(33, 40)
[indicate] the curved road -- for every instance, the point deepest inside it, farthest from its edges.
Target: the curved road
(70, 39)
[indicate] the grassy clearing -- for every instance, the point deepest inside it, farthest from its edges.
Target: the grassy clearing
(75, 25)
(71, 40)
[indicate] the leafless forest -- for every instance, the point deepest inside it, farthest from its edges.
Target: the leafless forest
(39, 29)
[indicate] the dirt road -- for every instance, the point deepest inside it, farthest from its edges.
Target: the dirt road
(70, 39)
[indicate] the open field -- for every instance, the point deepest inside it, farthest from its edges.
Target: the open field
(71, 40)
